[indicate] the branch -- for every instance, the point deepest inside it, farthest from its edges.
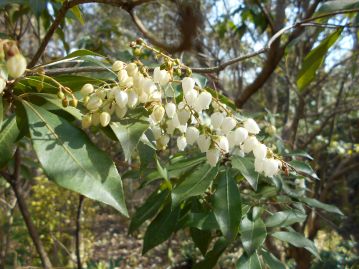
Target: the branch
(126, 5)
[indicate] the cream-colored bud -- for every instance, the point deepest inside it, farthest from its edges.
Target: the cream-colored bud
(203, 143)
(251, 126)
(105, 119)
(87, 89)
(120, 111)
(181, 143)
(94, 103)
(132, 69)
(86, 121)
(117, 66)
(157, 113)
(170, 110)
(16, 65)
(213, 156)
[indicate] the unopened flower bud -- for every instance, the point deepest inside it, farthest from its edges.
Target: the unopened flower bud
(86, 121)
(203, 143)
(105, 119)
(122, 76)
(187, 84)
(251, 126)
(74, 102)
(60, 94)
(120, 112)
(117, 66)
(16, 65)
(213, 156)
(181, 143)
(131, 69)
(157, 113)
(65, 102)
(271, 130)
(170, 110)
(192, 134)
(87, 89)
(121, 98)
(217, 119)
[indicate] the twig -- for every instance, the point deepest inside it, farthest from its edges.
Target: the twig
(78, 231)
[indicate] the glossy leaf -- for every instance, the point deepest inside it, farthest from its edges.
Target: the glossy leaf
(304, 168)
(315, 59)
(161, 228)
(148, 209)
(285, 218)
(297, 240)
(71, 160)
(227, 205)
(203, 221)
(315, 203)
(77, 12)
(201, 239)
(211, 258)
(129, 132)
(330, 6)
(8, 137)
(272, 261)
(253, 234)
(246, 167)
(249, 262)
(194, 184)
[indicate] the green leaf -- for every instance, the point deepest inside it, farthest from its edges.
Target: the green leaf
(8, 137)
(1, 112)
(203, 221)
(253, 234)
(212, 257)
(272, 261)
(201, 239)
(148, 209)
(330, 6)
(194, 184)
(297, 240)
(37, 7)
(246, 167)
(315, 203)
(71, 160)
(129, 132)
(304, 168)
(285, 218)
(227, 205)
(77, 12)
(315, 59)
(299, 153)
(249, 262)
(161, 228)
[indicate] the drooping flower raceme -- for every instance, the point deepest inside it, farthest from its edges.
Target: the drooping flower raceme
(197, 120)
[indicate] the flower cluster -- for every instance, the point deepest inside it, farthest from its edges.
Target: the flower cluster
(197, 119)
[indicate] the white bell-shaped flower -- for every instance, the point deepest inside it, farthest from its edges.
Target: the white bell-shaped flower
(241, 134)
(138, 81)
(259, 165)
(143, 98)
(117, 66)
(156, 96)
(132, 98)
(121, 98)
(94, 103)
(148, 86)
(271, 167)
(132, 69)
(170, 127)
(109, 108)
(122, 75)
(203, 143)
(163, 141)
(217, 119)
(260, 151)
(191, 98)
(183, 116)
(251, 126)
(181, 143)
(161, 76)
(105, 119)
(232, 140)
(204, 100)
(249, 144)
(213, 156)
(192, 135)
(228, 124)
(87, 89)
(223, 144)
(187, 84)
(120, 112)
(182, 128)
(157, 113)
(156, 131)
(170, 110)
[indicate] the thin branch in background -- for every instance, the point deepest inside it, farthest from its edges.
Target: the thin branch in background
(78, 231)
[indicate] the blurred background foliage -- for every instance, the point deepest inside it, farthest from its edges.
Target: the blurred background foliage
(322, 120)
